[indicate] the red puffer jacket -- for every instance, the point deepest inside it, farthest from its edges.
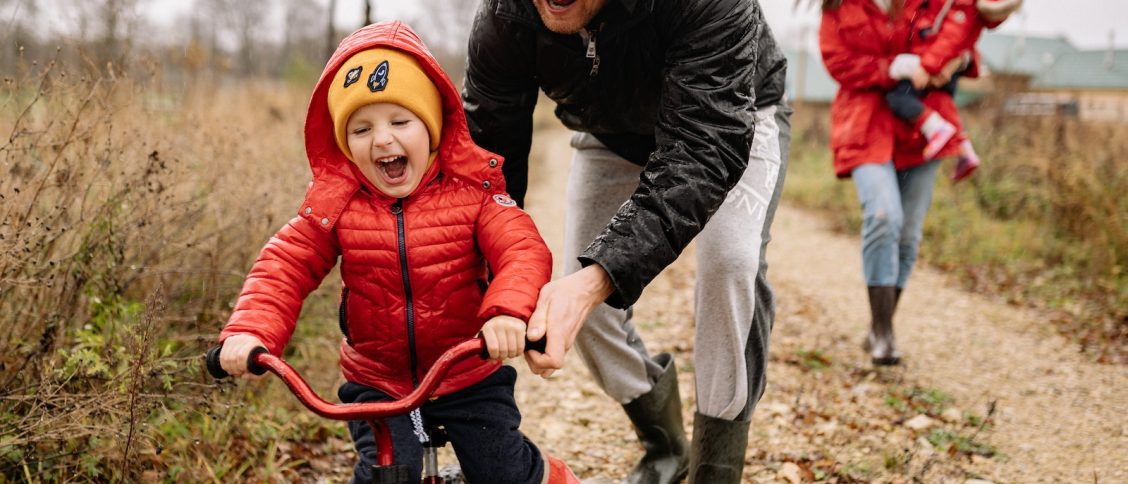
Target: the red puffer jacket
(858, 42)
(415, 268)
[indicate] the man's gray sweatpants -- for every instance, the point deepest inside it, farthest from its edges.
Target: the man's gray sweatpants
(734, 302)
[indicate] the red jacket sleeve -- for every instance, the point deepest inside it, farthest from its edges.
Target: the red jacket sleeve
(518, 257)
(957, 34)
(853, 52)
(292, 265)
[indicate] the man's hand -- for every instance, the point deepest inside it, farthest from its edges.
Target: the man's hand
(505, 337)
(562, 307)
(233, 356)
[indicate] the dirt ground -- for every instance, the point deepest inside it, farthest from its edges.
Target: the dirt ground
(988, 392)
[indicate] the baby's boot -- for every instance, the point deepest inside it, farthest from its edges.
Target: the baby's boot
(937, 131)
(967, 162)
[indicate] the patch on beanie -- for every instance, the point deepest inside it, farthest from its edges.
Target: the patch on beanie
(504, 200)
(379, 78)
(353, 75)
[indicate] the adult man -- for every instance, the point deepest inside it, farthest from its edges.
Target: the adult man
(665, 97)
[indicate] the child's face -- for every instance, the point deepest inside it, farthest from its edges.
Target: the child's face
(390, 145)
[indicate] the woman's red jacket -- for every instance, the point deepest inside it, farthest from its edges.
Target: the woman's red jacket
(858, 42)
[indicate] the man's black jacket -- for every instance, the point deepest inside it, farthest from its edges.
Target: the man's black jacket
(669, 84)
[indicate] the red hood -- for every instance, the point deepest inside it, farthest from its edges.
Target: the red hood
(336, 179)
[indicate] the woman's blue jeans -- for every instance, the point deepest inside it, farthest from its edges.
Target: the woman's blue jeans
(894, 204)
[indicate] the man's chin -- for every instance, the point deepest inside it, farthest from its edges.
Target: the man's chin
(567, 23)
(563, 27)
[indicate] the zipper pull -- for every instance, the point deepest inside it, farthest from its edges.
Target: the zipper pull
(589, 36)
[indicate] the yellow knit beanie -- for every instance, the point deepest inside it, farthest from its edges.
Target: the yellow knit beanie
(384, 75)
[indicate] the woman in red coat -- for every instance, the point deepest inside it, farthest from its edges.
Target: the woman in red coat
(864, 45)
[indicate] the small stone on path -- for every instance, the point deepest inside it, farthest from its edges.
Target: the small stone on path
(920, 422)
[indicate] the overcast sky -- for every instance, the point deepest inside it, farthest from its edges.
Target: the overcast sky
(1087, 23)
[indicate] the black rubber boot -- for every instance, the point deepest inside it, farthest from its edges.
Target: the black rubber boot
(718, 450)
(881, 344)
(657, 420)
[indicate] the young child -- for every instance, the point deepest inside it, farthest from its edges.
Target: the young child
(418, 215)
(945, 35)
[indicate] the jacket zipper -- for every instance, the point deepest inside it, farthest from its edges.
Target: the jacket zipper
(589, 37)
(397, 210)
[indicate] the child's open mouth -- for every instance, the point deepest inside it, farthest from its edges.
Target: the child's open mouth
(393, 167)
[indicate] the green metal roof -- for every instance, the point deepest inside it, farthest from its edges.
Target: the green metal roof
(1094, 69)
(820, 87)
(1051, 63)
(1019, 54)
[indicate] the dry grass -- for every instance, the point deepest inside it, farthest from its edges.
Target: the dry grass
(131, 211)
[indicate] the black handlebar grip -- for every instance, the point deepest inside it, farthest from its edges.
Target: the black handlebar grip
(253, 367)
(216, 370)
(538, 345)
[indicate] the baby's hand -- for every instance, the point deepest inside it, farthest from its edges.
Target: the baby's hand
(505, 337)
(233, 356)
(920, 78)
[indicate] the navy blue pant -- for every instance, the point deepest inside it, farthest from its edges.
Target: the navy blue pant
(904, 99)
(481, 422)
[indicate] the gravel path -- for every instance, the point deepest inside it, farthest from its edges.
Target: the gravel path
(987, 391)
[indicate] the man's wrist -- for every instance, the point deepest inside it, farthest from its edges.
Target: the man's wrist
(598, 281)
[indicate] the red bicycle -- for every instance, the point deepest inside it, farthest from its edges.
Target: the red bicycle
(385, 471)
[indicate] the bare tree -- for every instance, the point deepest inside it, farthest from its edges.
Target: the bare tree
(445, 27)
(301, 50)
(16, 34)
(331, 31)
(245, 16)
(118, 19)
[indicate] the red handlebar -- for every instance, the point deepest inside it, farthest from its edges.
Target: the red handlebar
(368, 410)
(260, 361)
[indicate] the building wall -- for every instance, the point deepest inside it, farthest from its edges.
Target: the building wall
(1103, 106)
(1092, 105)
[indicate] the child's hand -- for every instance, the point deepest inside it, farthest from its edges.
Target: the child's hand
(505, 337)
(233, 356)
